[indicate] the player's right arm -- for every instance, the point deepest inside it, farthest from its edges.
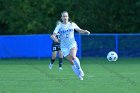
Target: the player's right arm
(53, 37)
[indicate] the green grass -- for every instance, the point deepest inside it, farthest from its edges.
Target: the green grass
(101, 76)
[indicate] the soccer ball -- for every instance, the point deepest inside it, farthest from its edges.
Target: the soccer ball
(112, 56)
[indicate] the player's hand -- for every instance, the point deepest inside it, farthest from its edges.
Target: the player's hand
(87, 32)
(53, 37)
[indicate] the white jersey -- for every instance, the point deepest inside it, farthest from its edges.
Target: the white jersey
(66, 32)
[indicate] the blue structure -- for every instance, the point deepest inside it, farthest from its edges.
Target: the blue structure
(22, 46)
(27, 46)
(94, 45)
(126, 45)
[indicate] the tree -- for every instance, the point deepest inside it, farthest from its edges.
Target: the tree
(98, 16)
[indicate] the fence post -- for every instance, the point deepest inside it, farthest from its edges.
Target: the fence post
(116, 41)
(80, 44)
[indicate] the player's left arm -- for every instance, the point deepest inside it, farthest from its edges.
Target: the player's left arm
(83, 31)
(78, 29)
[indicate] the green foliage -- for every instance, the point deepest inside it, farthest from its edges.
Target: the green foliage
(98, 16)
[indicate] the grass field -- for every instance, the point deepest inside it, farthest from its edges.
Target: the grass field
(101, 76)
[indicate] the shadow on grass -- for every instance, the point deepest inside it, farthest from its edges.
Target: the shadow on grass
(91, 60)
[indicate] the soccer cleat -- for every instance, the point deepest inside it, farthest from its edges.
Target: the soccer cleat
(60, 68)
(50, 66)
(81, 78)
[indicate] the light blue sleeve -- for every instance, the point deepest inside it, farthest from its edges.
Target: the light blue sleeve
(56, 30)
(75, 26)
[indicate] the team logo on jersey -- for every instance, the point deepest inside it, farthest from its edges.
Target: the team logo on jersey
(65, 31)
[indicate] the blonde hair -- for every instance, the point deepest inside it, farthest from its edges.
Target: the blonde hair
(64, 12)
(58, 22)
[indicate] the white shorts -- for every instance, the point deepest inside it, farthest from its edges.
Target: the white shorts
(66, 50)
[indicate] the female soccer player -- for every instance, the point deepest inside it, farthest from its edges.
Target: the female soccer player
(68, 43)
(56, 48)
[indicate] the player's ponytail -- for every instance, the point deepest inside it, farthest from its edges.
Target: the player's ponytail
(58, 22)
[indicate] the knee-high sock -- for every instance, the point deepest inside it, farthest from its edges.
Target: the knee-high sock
(60, 62)
(77, 63)
(52, 61)
(76, 71)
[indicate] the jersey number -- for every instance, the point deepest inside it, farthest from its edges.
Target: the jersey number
(67, 35)
(54, 48)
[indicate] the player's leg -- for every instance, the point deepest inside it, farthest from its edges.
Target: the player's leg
(76, 71)
(60, 59)
(66, 53)
(74, 68)
(54, 52)
(69, 58)
(76, 61)
(52, 59)
(73, 52)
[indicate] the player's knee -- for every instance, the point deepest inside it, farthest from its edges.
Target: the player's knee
(74, 57)
(60, 56)
(53, 57)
